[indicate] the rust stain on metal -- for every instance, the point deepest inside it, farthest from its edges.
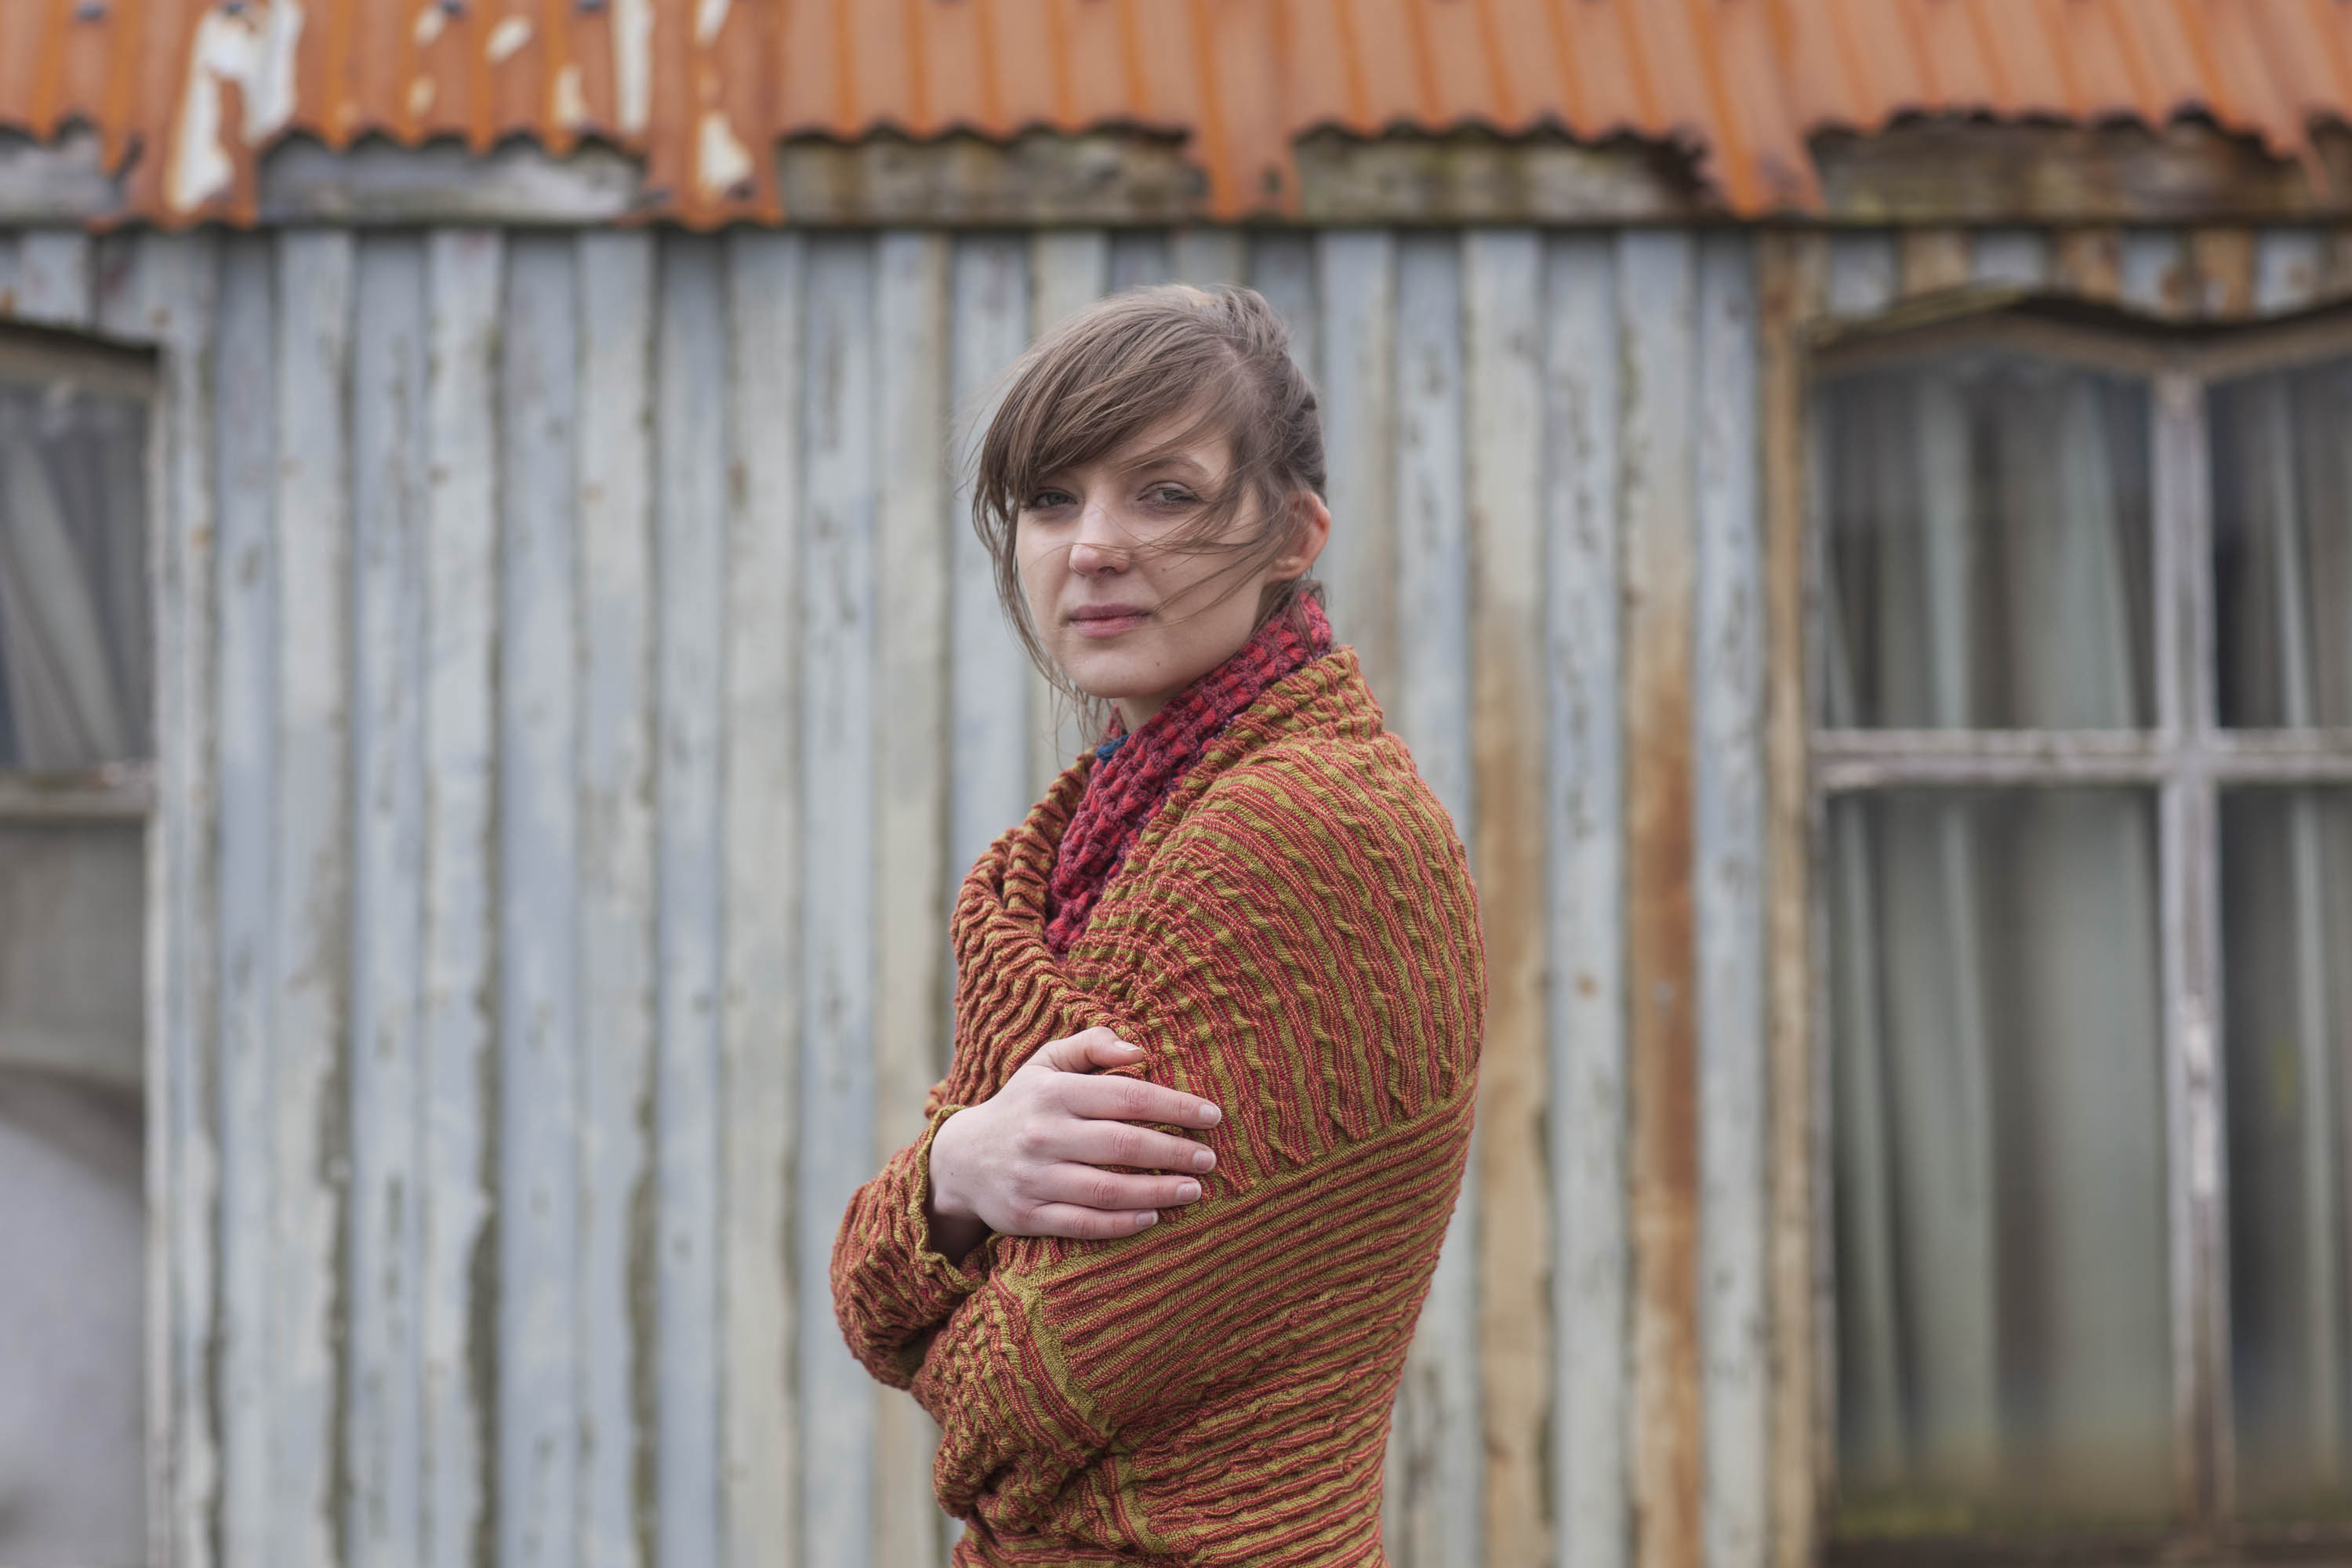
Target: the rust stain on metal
(2221, 265)
(2089, 263)
(187, 96)
(1661, 1027)
(1934, 259)
(1792, 274)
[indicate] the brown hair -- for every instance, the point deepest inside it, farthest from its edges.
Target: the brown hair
(1125, 364)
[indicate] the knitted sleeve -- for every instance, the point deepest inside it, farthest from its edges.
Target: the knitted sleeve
(891, 1290)
(1303, 950)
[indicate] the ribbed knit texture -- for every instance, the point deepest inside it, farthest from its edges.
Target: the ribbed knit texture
(1127, 785)
(1295, 937)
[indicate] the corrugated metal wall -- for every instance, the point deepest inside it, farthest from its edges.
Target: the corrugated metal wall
(581, 694)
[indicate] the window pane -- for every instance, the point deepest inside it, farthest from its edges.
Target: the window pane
(72, 899)
(2282, 547)
(2002, 1329)
(72, 1216)
(74, 678)
(1986, 516)
(72, 1455)
(2286, 941)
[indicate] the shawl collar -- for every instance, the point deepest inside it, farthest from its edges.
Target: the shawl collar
(1012, 992)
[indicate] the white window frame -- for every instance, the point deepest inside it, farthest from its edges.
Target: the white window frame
(123, 791)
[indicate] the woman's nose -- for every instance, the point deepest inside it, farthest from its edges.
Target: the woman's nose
(1098, 547)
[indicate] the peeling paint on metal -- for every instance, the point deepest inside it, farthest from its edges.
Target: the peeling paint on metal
(1739, 89)
(508, 37)
(569, 108)
(632, 63)
(722, 162)
(250, 48)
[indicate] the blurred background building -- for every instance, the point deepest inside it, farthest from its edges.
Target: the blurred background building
(1849, 502)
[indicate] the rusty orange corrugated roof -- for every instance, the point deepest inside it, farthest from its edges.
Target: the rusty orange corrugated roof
(186, 93)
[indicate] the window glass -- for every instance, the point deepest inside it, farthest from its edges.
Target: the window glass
(2286, 944)
(74, 647)
(2003, 1337)
(2282, 445)
(74, 692)
(1986, 522)
(71, 936)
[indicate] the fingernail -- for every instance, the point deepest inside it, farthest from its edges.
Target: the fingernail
(1211, 1116)
(1146, 1219)
(1187, 1191)
(1202, 1159)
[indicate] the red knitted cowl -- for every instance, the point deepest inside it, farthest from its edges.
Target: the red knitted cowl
(1133, 774)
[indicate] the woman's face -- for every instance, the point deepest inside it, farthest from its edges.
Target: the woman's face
(1129, 622)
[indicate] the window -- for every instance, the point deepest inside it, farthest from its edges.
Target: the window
(2084, 690)
(74, 704)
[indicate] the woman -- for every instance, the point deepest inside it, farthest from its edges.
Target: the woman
(1155, 1261)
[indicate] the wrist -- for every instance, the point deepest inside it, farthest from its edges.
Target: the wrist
(945, 1198)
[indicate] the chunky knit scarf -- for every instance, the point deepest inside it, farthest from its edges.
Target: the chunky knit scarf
(1293, 935)
(1131, 774)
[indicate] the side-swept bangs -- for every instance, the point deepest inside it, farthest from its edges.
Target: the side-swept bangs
(1196, 361)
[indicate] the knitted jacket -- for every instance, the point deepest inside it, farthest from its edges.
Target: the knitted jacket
(1294, 937)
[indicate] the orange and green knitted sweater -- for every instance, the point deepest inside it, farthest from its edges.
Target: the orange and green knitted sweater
(1294, 937)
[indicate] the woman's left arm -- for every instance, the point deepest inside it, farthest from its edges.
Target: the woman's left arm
(892, 1289)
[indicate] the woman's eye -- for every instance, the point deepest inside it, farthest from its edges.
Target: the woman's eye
(1046, 501)
(1171, 495)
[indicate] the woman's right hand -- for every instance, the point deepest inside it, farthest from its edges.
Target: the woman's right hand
(1029, 1162)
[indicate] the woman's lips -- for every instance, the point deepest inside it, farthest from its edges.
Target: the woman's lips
(1106, 623)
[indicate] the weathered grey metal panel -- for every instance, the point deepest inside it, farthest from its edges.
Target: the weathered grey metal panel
(1657, 294)
(173, 299)
(312, 944)
(616, 888)
(53, 282)
(910, 1027)
(1356, 278)
(760, 1039)
(1585, 829)
(988, 706)
(1437, 1499)
(464, 271)
(1728, 816)
(837, 726)
(690, 574)
(538, 1421)
(1503, 304)
(2154, 270)
(246, 468)
(381, 1515)
(2012, 255)
(1282, 267)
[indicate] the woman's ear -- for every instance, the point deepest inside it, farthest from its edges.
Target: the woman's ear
(1310, 524)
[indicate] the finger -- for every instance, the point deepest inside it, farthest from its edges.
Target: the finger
(1087, 1050)
(1136, 1100)
(1086, 1223)
(1113, 1192)
(1104, 1143)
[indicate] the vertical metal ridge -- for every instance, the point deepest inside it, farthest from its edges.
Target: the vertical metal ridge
(1657, 282)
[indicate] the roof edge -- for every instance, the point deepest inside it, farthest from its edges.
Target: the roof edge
(1920, 171)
